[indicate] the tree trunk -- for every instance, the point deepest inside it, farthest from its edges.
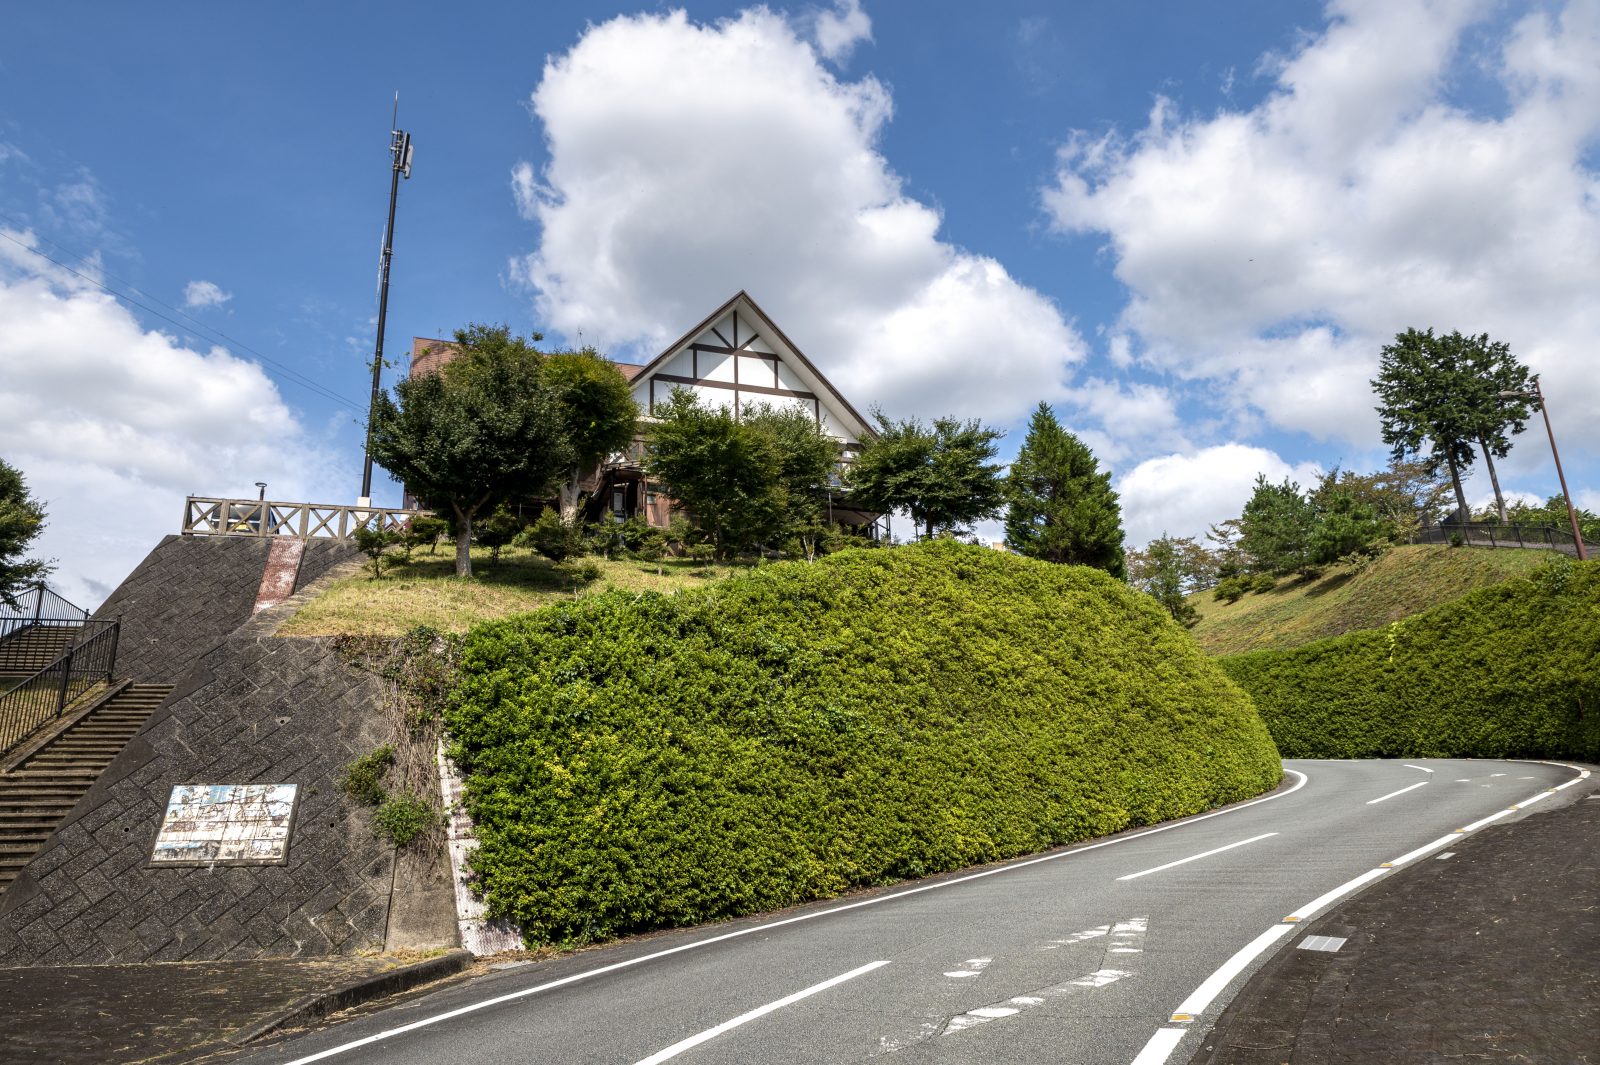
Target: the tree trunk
(463, 544)
(1461, 497)
(1494, 479)
(929, 534)
(569, 498)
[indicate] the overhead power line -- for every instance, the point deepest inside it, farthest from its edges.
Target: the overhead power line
(287, 374)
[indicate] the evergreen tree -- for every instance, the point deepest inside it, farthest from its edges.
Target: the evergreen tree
(1062, 507)
(1430, 395)
(21, 522)
(942, 473)
(1496, 370)
(1276, 528)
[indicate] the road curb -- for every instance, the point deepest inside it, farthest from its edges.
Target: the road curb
(362, 989)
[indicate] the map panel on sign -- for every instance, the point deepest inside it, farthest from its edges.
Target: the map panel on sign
(236, 823)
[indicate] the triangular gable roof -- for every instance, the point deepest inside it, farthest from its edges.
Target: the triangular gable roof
(786, 350)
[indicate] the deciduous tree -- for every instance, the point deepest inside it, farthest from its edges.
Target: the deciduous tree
(1061, 505)
(942, 474)
(597, 412)
(1165, 570)
(478, 433)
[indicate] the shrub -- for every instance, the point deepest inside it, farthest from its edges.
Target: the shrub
(1263, 582)
(1230, 589)
(402, 818)
(1512, 670)
(374, 543)
(363, 778)
(426, 529)
(497, 530)
(640, 761)
(553, 538)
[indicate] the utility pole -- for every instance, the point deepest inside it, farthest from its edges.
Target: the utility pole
(1572, 515)
(400, 166)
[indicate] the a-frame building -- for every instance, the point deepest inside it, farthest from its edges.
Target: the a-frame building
(736, 357)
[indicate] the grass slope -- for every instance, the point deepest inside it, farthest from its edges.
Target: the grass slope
(1512, 670)
(1407, 580)
(426, 591)
(640, 761)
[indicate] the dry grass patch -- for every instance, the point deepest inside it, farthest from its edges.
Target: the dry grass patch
(426, 591)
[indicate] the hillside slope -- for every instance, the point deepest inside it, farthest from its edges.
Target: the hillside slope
(1508, 671)
(638, 761)
(1407, 580)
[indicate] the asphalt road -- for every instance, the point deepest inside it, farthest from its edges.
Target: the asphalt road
(1081, 956)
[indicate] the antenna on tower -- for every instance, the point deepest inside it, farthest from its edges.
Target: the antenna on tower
(399, 167)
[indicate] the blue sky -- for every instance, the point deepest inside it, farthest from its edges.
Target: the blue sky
(1187, 227)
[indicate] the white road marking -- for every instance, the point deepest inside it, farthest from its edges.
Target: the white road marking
(1017, 1003)
(770, 925)
(1213, 985)
(1197, 857)
(1424, 768)
(1446, 854)
(1392, 794)
(1497, 774)
(760, 1011)
(1078, 937)
(1161, 1046)
(1463, 780)
(1165, 1040)
(970, 967)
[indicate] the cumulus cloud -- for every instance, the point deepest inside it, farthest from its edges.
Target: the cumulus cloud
(688, 161)
(1272, 251)
(1183, 494)
(113, 424)
(204, 294)
(838, 30)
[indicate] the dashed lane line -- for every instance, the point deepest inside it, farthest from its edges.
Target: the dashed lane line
(667, 1053)
(1196, 857)
(1166, 1039)
(1402, 791)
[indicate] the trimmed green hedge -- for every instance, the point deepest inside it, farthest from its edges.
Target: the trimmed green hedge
(1512, 670)
(640, 761)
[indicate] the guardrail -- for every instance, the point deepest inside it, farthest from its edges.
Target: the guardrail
(207, 516)
(36, 609)
(1495, 534)
(42, 697)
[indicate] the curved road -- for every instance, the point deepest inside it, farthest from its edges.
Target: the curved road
(1084, 955)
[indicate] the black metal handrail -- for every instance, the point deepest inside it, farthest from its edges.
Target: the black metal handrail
(1497, 534)
(42, 697)
(38, 607)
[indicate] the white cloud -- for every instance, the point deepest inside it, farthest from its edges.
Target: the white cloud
(1272, 251)
(689, 161)
(839, 30)
(112, 425)
(1184, 494)
(204, 294)
(1136, 418)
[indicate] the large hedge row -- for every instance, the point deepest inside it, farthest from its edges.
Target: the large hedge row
(639, 761)
(1512, 670)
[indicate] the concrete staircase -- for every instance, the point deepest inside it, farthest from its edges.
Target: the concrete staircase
(47, 784)
(24, 653)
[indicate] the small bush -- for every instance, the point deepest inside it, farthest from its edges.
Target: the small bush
(426, 529)
(402, 818)
(375, 543)
(642, 761)
(497, 530)
(553, 538)
(1263, 582)
(1230, 589)
(363, 778)
(1507, 671)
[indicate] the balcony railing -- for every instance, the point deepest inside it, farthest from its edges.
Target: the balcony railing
(206, 516)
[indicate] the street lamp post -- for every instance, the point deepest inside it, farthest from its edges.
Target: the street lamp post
(1572, 515)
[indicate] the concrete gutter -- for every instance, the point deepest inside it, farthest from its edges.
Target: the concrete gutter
(362, 989)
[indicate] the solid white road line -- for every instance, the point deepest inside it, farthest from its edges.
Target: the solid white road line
(1165, 1040)
(760, 1011)
(1196, 857)
(770, 925)
(1424, 768)
(1392, 794)
(1213, 985)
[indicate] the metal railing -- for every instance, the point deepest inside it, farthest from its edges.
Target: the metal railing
(36, 609)
(207, 516)
(1496, 534)
(42, 697)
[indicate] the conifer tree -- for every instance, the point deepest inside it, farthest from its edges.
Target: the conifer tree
(1061, 506)
(21, 522)
(1430, 395)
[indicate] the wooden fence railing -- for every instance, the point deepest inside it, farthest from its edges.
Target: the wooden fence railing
(205, 516)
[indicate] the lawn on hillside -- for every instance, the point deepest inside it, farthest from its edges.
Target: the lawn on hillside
(426, 591)
(1407, 580)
